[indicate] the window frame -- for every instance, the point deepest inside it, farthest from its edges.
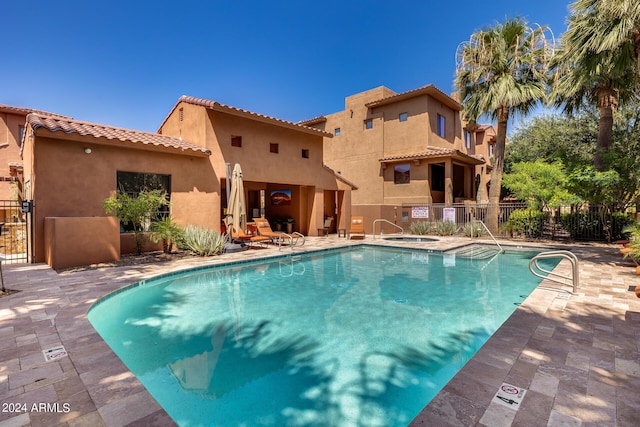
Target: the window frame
(368, 124)
(305, 153)
(274, 147)
(401, 176)
(336, 132)
(403, 117)
(147, 185)
(236, 141)
(441, 126)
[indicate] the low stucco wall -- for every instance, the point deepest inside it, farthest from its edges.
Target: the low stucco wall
(128, 244)
(73, 241)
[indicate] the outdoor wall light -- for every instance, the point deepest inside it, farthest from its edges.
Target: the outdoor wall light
(87, 150)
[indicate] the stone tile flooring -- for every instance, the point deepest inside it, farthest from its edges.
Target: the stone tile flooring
(577, 357)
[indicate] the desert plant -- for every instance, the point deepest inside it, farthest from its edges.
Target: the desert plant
(420, 227)
(445, 228)
(473, 229)
(203, 241)
(137, 211)
(167, 232)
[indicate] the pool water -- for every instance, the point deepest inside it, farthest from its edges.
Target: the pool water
(362, 336)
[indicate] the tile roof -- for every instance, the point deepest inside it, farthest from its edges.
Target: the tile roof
(215, 105)
(146, 139)
(435, 152)
(340, 177)
(313, 121)
(429, 89)
(24, 111)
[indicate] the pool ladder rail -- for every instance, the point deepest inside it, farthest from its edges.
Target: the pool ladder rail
(538, 271)
(376, 221)
(291, 240)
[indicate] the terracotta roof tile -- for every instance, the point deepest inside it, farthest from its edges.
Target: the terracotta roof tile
(429, 89)
(69, 126)
(434, 152)
(313, 121)
(24, 111)
(215, 105)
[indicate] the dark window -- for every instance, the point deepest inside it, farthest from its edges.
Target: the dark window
(305, 153)
(403, 117)
(440, 126)
(467, 139)
(274, 148)
(21, 132)
(133, 183)
(368, 124)
(181, 114)
(236, 141)
(336, 131)
(437, 177)
(402, 174)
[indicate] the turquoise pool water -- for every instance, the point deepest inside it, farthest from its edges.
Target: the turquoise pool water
(364, 336)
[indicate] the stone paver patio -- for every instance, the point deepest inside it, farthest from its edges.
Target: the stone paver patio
(577, 357)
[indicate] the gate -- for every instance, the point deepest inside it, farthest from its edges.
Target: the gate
(15, 233)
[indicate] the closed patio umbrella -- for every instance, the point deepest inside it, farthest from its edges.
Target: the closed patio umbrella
(237, 215)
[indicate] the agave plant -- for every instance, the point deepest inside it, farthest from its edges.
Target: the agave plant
(203, 241)
(420, 227)
(445, 228)
(473, 229)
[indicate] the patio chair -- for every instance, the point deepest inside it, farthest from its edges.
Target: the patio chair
(324, 231)
(240, 236)
(357, 226)
(264, 230)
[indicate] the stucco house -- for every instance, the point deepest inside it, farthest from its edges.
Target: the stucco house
(71, 166)
(410, 148)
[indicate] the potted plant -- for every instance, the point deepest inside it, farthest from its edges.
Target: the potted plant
(290, 223)
(278, 224)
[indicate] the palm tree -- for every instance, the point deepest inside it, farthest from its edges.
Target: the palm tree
(585, 75)
(502, 71)
(608, 25)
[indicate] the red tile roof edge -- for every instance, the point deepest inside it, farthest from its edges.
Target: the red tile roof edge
(340, 177)
(424, 90)
(4, 108)
(433, 152)
(69, 126)
(215, 105)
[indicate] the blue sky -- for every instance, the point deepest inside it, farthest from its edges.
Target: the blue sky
(126, 63)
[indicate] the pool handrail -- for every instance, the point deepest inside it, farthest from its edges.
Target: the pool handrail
(375, 221)
(534, 267)
(491, 234)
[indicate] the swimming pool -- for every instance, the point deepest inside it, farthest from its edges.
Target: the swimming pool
(357, 336)
(410, 239)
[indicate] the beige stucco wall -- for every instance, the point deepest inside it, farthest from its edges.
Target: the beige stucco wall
(9, 149)
(80, 241)
(262, 169)
(67, 182)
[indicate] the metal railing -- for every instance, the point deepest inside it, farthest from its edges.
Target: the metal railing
(293, 239)
(379, 220)
(491, 234)
(536, 269)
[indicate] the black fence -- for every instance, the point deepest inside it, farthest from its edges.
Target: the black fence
(593, 223)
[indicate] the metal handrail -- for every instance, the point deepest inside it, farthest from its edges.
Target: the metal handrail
(534, 267)
(293, 238)
(490, 234)
(375, 221)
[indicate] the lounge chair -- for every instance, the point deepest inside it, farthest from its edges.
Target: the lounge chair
(357, 226)
(264, 230)
(241, 236)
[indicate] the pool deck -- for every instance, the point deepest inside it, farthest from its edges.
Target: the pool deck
(576, 356)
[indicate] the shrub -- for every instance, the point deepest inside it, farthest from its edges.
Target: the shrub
(527, 222)
(473, 229)
(445, 228)
(203, 241)
(619, 223)
(420, 227)
(166, 231)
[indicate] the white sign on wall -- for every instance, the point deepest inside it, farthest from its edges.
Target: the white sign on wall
(420, 212)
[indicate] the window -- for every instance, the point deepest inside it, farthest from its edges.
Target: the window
(491, 148)
(236, 141)
(181, 114)
(305, 153)
(133, 183)
(437, 177)
(274, 148)
(403, 117)
(368, 124)
(336, 131)
(467, 138)
(402, 174)
(21, 135)
(440, 126)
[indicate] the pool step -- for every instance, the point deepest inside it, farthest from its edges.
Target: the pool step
(476, 252)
